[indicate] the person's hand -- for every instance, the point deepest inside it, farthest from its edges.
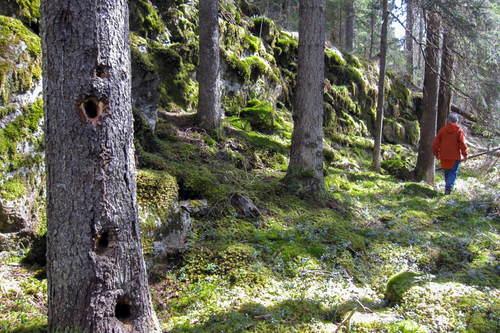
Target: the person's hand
(465, 158)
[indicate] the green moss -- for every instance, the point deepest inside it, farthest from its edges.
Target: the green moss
(18, 69)
(180, 24)
(398, 284)
(257, 67)
(156, 189)
(263, 27)
(29, 9)
(421, 190)
(334, 58)
(286, 51)
(13, 188)
(4, 111)
(260, 115)
(224, 260)
(239, 67)
(144, 19)
(233, 103)
(397, 168)
(352, 60)
(19, 129)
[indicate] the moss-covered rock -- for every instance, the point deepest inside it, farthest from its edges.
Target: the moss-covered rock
(156, 189)
(397, 168)
(420, 189)
(20, 59)
(27, 11)
(398, 284)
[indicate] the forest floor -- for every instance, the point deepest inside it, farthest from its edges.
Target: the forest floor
(377, 254)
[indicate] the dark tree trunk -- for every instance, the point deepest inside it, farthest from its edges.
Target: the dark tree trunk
(96, 274)
(445, 79)
(420, 57)
(409, 38)
(381, 88)
(306, 156)
(372, 31)
(341, 29)
(349, 27)
(209, 98)
(425, 168)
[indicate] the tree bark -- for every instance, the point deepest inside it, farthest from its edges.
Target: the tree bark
(409, 38)
(425, 169)
(420, 58)
(306, 156)
(381, 88)
(209, 96)
(445, 79)
(372, 31)
(349, 27)
(96, 274)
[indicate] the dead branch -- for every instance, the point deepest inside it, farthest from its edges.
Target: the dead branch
(347, 319)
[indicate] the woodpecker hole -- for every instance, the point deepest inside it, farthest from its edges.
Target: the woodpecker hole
(65, 15)
(102, 71)
(92, 109)
(105, 242)
(123, 310)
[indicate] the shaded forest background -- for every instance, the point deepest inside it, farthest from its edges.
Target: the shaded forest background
(228, 246)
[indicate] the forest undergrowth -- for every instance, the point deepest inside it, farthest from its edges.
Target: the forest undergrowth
(376, 254)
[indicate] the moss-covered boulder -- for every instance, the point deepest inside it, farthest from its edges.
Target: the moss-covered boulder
(398, 284)
(22, 171)
(27, 11)
(165, 226)
(20, 61)
(397, 168)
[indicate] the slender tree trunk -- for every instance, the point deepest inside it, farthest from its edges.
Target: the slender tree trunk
(420, 59)
(96, 274)
(425, 168)
(372, 32)
(409, 38)
(209, 97)
(341, 29)
(349, 27)
(381, 88)
(306, 157)
(445, 79)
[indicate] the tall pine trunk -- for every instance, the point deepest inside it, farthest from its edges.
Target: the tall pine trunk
(349, 27)
(409, 38)
(96, 274)
(306, 156)
(209, 97)
(372, 30)
(425, 168)
(445, 80)
(381, 88)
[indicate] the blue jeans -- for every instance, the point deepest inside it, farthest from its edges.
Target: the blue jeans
(450, 175)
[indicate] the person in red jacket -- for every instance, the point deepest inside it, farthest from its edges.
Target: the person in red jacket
(449, 147)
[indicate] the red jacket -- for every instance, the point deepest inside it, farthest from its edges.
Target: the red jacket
(449, 143)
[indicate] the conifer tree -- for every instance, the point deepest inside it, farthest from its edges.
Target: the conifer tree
(96, 273)
(209, 96)
(306, 156)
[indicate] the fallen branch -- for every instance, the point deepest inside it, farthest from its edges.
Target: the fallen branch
(346, 319)
(494, 241)
(267, 316)
(278, 253)
(463, 113)
(489, 151)
(366, 309)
